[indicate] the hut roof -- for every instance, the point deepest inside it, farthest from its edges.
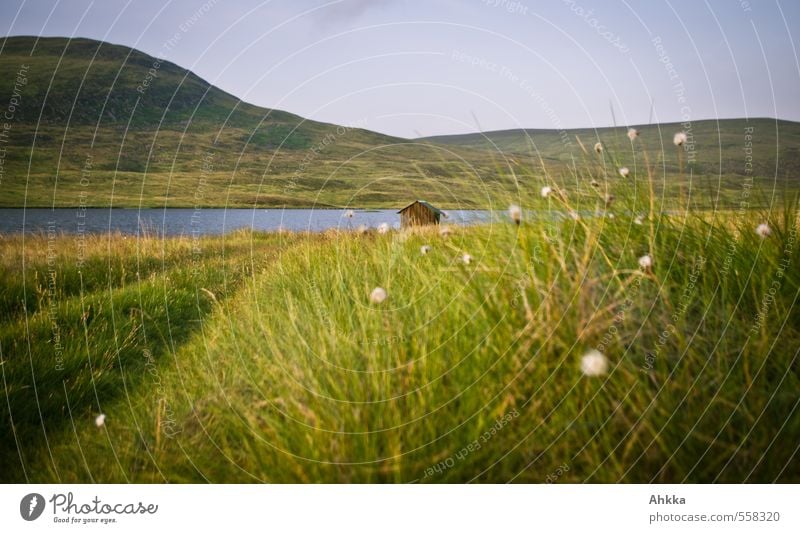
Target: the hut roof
(426, 204)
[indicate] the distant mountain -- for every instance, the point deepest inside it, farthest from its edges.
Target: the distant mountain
(717, 146)
(88, 82)
(97, 124)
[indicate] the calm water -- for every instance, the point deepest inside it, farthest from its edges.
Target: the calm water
(202, 221)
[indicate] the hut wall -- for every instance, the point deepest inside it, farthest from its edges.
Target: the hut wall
(417, 215)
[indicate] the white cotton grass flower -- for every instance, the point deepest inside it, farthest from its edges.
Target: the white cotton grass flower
(445, 231)
(609, 199)
(425, 249)
(594, 363)
(363, 229)
(646, 262)
(598, 148)
(515, 212)
(383, 228)
(349, 213)
(638, 220)
(466, 259)
(100, 420)
(378, 295)
(680, 138)
(594, 183)
(624, 172)
(763, 230)
(546, 191)
(632, 134)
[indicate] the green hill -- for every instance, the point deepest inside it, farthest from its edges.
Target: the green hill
(718, 146)
(98, 124)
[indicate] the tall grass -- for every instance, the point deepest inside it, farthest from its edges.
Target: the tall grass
(468, 371)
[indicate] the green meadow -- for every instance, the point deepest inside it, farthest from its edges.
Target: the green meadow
(608, 325)
(597, 340)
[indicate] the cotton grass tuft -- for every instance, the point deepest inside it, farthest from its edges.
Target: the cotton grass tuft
(378, 295)
(594, 363)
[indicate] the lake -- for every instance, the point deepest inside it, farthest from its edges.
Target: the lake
(211, 221)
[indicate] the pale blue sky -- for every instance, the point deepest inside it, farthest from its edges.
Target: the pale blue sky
(409, 67)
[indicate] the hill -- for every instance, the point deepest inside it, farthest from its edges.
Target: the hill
(96, 124)
(714, 147)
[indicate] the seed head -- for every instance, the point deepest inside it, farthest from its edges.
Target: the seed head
(763, 230)
(466, 258)
(515, 213)
(100, 421)
(624, 172)
(594, 363)
(546, 191)
(445, 231)
(378, 295)
(679, 139)
(424, 249)
(632, 134)
(383, 228)
(598, 148)
(646, 262)
(349, 213)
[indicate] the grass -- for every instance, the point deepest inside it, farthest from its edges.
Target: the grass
(259, 357)
(86, 319)
(467, 372)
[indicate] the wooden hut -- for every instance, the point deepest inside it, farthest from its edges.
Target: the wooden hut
(419, 213)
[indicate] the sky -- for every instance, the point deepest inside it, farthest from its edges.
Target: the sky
(429, 67)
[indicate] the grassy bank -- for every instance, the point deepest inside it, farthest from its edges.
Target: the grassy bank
(271, 363)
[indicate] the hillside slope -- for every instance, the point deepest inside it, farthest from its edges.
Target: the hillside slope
(96, 124)
(137, 130)
(717, 146)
